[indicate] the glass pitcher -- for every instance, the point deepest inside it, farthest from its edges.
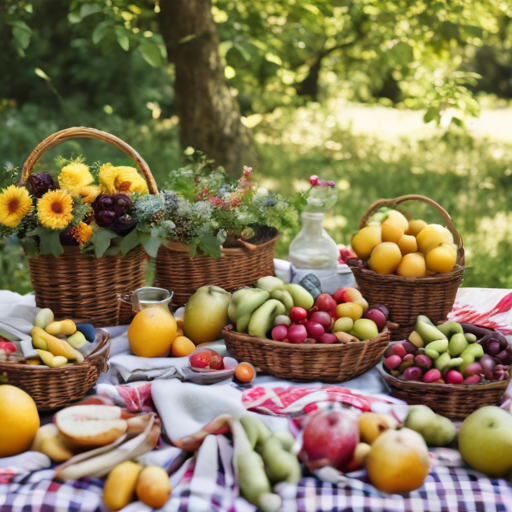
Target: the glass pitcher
(149, 297)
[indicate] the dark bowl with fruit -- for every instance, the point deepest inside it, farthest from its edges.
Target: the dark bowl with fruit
(468, 368)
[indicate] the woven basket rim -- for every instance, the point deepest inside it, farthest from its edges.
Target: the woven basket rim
(431, 386)
(457, 270)
(299, 346)
(88, 360)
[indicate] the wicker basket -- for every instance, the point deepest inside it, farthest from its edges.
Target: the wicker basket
(455, 401)
(408, 297)
(76, 285)
(319, 362)
(52, 388)
(239, 266)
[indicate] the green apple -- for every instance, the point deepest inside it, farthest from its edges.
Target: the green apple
(485, 441)
(206, 314)
(364, 329)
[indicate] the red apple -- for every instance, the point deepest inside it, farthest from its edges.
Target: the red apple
(297, 333)
(338, 295)
(383, 309)
(330, 439)
(315, 330)
(322, 318)
(297, 314)
(325, 302)
(378, 317)
(350, 294)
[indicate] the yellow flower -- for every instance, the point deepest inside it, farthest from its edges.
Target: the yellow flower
(82, 233)
(15, 203)
(90, 193)
(122, 179)
(74, 177)
(55, 209)
(107, 177)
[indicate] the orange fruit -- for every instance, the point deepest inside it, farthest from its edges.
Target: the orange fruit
(19, 421)
(412, 265)
(182, 347)
(365, 240)
(416, 227)
(398, 461)
(385, 258)
(152, 332)
(407, 244)
(432, 236)
(245, 372)
(391, 233)
(441, 258)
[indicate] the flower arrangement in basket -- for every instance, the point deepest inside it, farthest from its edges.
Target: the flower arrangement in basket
(83, 231)
(412, 267)
(221, 232)
(454, 368)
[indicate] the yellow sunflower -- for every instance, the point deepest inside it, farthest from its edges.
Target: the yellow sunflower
(90, 193)
(55, 209)
(82, 233)
(121, 179)
(74, 177)
(15, 203)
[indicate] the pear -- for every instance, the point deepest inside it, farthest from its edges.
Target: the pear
(206, 314)
(301, 297)
(39, 342)
(434, 428)
(262, 320)
(458, 343)
(243, 323)
(245, 301)
(427, 330)
(283, 296)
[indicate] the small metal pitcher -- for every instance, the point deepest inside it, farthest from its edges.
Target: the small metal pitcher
(148, 297)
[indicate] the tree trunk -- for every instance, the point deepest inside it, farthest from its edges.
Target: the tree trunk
(209, 115)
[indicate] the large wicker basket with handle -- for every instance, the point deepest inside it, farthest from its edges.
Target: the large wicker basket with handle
(238, 266)
(52, 388)
(76, 285)
(334, 362)
(408, 297)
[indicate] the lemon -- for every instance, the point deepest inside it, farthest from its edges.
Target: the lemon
(19, 421)
(152, 332)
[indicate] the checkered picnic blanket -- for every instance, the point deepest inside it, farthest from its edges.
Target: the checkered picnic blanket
(206, 483)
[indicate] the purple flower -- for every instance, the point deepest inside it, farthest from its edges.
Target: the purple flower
(39, 183)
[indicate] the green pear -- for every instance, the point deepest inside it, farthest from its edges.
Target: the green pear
(458, 343)
(435, 429)
(262, 320)
(245, 301)
(436, 348)
(485, 441)
(269, 283)
(427, 330)
(442, 361)
(450, 328)
(301, 297)
(206, 314)
(284, 296)
(470, 337)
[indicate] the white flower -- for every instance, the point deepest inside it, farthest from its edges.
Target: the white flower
(262, 191)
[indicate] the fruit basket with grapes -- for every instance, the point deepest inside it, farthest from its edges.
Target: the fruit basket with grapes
(412, 267)
(86, 231)
(293, 331)
(452, 368)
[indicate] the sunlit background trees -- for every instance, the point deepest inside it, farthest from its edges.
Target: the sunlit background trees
(273, 84)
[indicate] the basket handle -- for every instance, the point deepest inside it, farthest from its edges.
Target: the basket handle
(90, 133)
(393, 203)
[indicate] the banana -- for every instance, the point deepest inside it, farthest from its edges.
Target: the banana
(283, 296)
(50, 360)
(269, 283)
(56, 346)
(262, 320)
(450, 328)
(39, 342)
(245, 301)
(436, 348)
(301, 297)
(427, 330)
